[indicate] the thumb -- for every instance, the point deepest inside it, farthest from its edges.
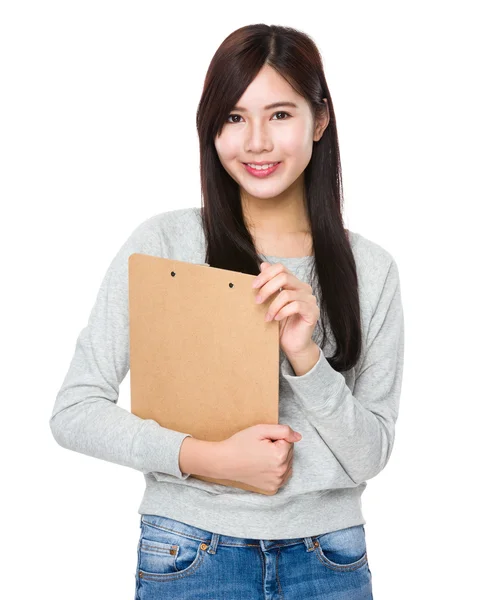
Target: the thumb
(279, 432)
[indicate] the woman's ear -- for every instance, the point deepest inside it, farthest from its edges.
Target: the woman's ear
(322, 122)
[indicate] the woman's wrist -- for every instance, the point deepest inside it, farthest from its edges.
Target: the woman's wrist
(200, 457)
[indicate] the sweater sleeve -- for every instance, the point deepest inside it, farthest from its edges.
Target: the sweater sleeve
(86, 417)
(359, 427)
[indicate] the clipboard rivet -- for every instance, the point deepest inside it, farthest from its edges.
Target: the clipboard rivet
(231, 285)
(172, 273)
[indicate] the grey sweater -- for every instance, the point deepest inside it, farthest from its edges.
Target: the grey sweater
(347, 420)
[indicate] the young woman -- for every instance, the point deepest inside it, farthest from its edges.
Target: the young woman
(271, 184)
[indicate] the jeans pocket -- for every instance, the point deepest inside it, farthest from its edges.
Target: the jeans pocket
(164, 554)
(343, 550)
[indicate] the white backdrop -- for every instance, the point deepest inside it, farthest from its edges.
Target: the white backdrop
(97, 133)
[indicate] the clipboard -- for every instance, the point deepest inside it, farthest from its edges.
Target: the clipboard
(202, 358)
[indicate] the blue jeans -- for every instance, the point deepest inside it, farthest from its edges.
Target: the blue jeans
(176, 561)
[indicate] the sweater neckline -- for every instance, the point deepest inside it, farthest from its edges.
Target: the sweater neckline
(291, 259)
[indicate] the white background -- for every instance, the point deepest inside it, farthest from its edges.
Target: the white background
(97, 115)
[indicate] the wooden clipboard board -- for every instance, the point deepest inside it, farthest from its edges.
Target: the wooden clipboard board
(202, 358)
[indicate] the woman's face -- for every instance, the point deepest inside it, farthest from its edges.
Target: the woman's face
(282, 134)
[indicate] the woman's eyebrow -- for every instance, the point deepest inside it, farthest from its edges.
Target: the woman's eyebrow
(269, 106)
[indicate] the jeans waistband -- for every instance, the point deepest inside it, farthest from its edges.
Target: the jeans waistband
(214, 539)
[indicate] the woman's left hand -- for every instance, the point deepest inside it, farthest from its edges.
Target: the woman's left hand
(295, 307)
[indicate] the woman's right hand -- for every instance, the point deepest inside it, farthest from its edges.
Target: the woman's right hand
(251, 456)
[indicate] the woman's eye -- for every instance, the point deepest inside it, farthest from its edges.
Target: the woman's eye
(280, 112)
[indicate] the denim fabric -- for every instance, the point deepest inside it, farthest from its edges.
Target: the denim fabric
(176, 561)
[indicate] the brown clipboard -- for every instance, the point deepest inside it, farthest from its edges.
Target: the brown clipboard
(202, 358)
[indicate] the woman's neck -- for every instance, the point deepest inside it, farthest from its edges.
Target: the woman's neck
(284, 216)
(294, 245)
(280, 225)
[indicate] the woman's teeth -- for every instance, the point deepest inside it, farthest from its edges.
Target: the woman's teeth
(261, 167)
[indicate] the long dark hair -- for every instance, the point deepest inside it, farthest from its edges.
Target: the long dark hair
(229, 244)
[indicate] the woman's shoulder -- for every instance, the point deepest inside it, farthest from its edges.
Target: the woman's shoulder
(179, 231)
(176, 216)
(367, 251)
(375, 265)
(171, 225)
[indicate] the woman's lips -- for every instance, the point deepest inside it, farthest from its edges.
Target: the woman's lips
(261, 172)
